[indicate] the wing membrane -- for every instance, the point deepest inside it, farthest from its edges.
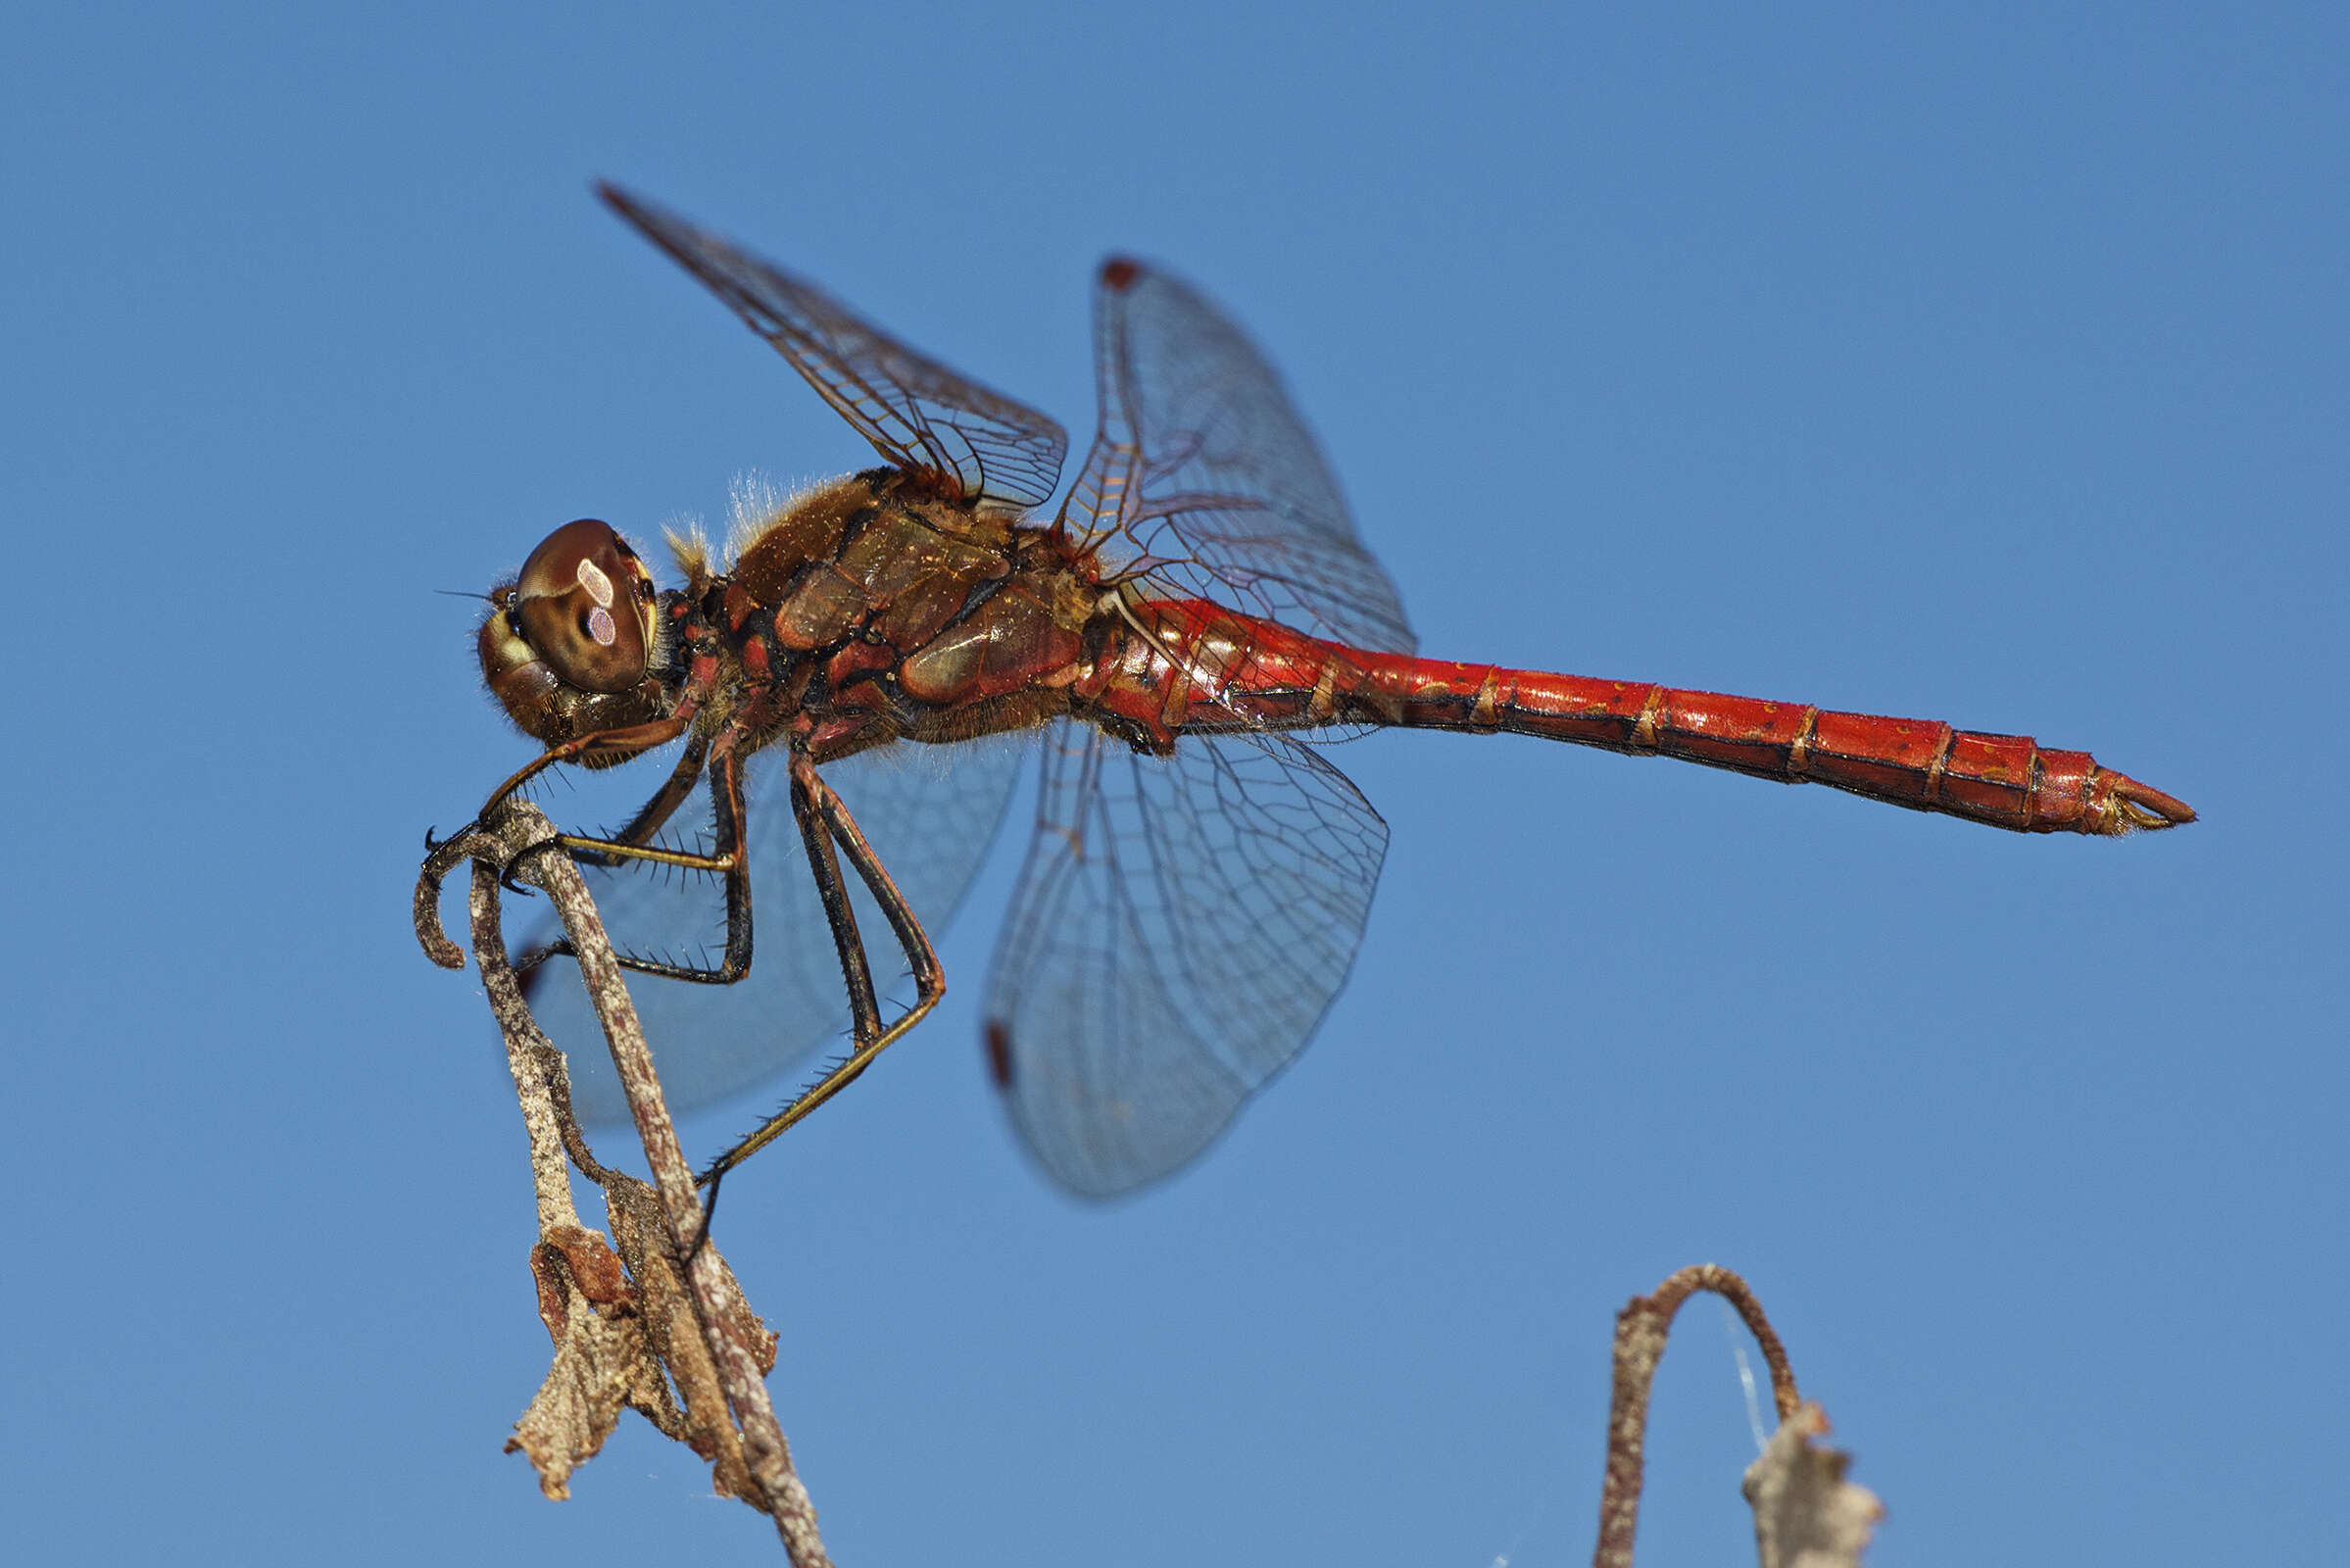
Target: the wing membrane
(1205, 476)
(1182, 924)
(930, 813)
(917, 413)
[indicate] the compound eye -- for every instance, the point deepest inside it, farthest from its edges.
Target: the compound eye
(583, 605)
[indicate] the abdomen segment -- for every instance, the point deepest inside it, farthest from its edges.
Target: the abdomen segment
(2008, 781)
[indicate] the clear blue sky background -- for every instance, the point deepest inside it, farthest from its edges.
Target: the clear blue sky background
(1986, 367)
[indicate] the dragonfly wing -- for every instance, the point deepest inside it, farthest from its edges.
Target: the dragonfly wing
(1182, 924)
(930, 813)
(1205, 476)
(918, 414)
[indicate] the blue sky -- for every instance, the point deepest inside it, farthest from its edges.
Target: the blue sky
(1984, 365)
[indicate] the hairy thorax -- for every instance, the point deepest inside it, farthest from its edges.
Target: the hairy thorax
(870, 610)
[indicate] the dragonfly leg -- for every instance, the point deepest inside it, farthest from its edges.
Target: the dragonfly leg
(604, 743)
(654, 813)
(726, 859)
(614, 744)
(856, 969)
(824, 820)
(650, 818)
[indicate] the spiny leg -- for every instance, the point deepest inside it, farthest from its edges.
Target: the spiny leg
(613, 744)
(649, 819)
(654, 813)
(617, 744)
(856, 969)
(727, 858)
(823, 820)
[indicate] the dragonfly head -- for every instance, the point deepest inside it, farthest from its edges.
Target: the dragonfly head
(569, 646)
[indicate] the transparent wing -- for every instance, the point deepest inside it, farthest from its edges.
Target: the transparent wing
(930, 813)
(1181, 925)
(917, 413)
(1205, 476)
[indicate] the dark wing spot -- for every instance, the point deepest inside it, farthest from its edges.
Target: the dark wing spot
(998, 1053)
(1119, 273)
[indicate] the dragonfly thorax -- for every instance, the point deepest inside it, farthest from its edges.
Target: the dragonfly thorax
(876, 608)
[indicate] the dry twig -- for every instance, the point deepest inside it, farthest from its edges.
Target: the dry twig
(1806, 1516)
(662, 1313)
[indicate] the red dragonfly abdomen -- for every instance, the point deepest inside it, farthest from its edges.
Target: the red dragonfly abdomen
(1284, 679)
(2008, 781)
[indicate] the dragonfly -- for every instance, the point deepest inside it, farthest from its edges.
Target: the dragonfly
(871, 657)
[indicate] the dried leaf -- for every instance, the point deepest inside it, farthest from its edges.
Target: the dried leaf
(603, 1364)
(1806, 1514)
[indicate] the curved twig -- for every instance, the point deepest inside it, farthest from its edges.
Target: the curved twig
(1640, 1330)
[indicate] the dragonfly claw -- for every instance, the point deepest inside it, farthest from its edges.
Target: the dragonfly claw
(505, 877)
